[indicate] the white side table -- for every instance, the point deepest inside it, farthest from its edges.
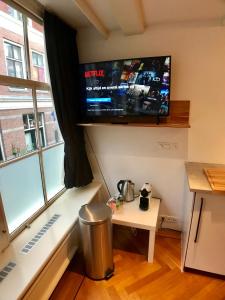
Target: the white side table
(129, 214)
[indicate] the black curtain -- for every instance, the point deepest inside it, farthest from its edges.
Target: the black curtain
(63, 65)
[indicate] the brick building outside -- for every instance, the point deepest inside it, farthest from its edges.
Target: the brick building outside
(17, 127)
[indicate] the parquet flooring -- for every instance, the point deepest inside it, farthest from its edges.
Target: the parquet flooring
(135, 279)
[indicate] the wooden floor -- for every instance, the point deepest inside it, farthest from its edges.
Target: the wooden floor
(135, 279)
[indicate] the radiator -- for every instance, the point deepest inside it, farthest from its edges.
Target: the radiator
(47, 280)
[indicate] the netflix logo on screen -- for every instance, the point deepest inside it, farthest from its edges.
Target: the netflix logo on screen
(94, 73)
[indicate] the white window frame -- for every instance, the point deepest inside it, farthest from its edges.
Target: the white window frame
(1, 147)
(35, 86)
(43, 127)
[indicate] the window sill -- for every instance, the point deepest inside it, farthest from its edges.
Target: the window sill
(28, 266)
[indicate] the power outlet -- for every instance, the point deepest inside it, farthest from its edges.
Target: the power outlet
(168, 219)
(168, 146)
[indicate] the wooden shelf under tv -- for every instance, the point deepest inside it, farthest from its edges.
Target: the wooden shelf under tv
(178, 117)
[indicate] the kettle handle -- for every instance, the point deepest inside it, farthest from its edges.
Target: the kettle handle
(120, 185)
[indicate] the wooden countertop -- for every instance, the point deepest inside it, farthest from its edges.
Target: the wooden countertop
(197, 179)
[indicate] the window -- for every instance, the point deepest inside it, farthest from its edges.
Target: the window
(14, 60)
(38, 70)
(37, 51)
(29, 129)
(37, 59)
(31, 146)
(47, 118)
(14, 13)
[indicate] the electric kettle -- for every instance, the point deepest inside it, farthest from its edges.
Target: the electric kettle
(126, 190)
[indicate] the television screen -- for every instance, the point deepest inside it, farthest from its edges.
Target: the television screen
(127, 88)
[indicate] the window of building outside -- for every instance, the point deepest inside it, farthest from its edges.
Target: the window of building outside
(31, 144)
(38, 66)
(14, 59)
(14, 13)
(29, 129)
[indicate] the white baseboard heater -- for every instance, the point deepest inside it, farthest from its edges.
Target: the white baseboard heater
(49, 277)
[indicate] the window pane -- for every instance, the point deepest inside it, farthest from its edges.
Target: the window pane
(8, 50)
(21, 190)
(17, 128)
(11, 67)
(40, 61)
(19, 69)
(12, 37)
(51, 132)
(37, 51)
(54, 170)
(17, 52)
(34, 58)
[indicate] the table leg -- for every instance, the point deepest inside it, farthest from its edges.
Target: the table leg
(151, 245)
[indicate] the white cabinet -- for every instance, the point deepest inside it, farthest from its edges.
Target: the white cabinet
(205, 247)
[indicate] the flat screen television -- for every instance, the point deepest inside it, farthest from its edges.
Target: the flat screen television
(126, 90)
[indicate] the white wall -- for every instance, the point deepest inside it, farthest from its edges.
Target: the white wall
(198, 75)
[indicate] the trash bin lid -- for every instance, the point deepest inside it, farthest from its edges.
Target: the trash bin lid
(94, 213)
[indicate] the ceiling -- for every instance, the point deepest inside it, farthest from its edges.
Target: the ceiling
(133, 16)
